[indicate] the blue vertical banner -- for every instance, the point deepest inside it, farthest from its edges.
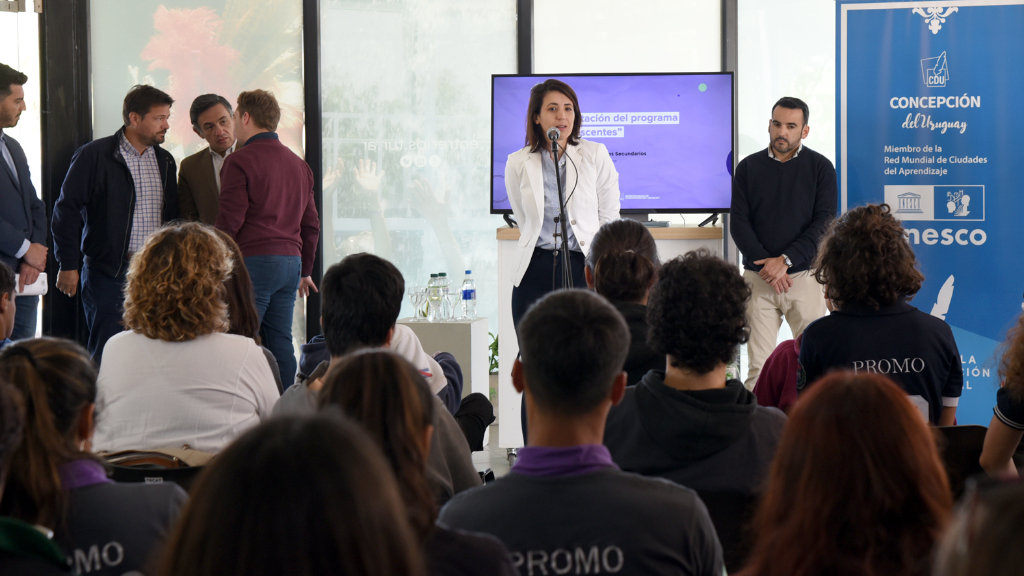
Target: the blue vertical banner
(930, 122)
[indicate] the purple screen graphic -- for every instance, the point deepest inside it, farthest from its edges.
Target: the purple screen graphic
(669, 135)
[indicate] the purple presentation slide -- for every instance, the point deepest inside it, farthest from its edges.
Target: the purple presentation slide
(670, 135)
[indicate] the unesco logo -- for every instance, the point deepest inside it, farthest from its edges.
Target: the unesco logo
(935, 71)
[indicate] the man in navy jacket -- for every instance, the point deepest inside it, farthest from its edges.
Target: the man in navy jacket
(118, 190)
(22, 213)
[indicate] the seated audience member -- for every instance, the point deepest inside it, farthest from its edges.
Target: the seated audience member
(776, 382)
(302, 496)
(7, 307)
(103, 527)
(474, 413)
(622, 266)
(1007, 426)
(870, 273)
(856, 488)
(984, 533)
(241, 300)
(25, 550)
(176, 378)
(565, 507)
(686, 422)
(388, 396)
(360, 300)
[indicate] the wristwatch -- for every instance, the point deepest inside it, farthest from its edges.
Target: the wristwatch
(789, 263)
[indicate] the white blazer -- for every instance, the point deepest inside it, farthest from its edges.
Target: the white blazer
(595, 201)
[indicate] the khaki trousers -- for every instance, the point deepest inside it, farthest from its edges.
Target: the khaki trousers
(803, 304)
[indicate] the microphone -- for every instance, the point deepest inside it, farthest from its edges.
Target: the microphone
(554, 134)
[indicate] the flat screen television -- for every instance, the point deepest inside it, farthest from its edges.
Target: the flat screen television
(669, 135)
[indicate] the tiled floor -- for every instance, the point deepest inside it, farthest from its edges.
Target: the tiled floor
(492, 457)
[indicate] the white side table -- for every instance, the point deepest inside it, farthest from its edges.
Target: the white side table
(467, 340)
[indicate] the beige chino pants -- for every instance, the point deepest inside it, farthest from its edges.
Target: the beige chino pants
(803, 304)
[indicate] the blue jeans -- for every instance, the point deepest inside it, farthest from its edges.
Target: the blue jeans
(25, 317)
(103, 301)
(275, 280)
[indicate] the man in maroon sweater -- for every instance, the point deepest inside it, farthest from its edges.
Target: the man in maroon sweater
(266, 205)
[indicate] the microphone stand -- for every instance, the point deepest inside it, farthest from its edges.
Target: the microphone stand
(562, 220)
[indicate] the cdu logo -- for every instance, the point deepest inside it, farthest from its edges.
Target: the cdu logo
(935, 71)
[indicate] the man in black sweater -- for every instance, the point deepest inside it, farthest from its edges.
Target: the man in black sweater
(782, 201)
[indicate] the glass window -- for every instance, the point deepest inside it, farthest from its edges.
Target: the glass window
(635, 36)
(19, 45)
(786, 48)
(406, 135)
(594, 36)
(198, 47)
(211, 46)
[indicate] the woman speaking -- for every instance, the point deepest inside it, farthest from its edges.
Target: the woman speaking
(591, 191)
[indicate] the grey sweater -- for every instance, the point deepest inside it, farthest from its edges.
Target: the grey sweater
(599, 522)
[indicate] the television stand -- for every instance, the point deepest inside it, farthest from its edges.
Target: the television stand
(645, 219)
(713, 219)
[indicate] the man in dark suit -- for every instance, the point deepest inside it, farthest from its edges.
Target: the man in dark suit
(199, 175)
(22, 213)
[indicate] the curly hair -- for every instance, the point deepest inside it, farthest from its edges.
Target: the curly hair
(175, 287)
(697, 311)
(865, 259)
(1011, 364)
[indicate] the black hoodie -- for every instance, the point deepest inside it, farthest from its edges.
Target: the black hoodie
(641, 358)
(707, 440)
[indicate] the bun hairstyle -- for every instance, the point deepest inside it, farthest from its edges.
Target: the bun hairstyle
(624, 260)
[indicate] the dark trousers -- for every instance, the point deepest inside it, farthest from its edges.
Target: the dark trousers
(25, 317)
(103, 301)
(542, 276)
(475, 414)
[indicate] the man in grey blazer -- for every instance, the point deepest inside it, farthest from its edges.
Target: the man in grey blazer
(199, 174)
(22, 213)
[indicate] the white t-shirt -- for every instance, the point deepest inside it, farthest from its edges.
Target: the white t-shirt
(203, 393)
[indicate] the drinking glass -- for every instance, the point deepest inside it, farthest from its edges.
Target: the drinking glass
(456, 298)
(416, 299)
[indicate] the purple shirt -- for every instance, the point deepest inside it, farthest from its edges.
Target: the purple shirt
(563, 461)
(81, 473)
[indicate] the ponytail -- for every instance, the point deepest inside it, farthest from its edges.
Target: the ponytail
(623, 260)
(623, 275)
(57, 380)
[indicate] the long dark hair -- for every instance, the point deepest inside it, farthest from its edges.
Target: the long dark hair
(857, 486)
(388, 396)
(57, 379)
(239, 293)
(12, 421)
(535, 137)
(303, 496)
(623, 259)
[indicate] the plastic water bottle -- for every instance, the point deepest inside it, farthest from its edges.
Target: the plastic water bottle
(469, 296)
(445, 285)
(433, 299)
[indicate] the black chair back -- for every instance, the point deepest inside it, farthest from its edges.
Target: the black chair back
(183, 477)
(731, 513)
(960, 448)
